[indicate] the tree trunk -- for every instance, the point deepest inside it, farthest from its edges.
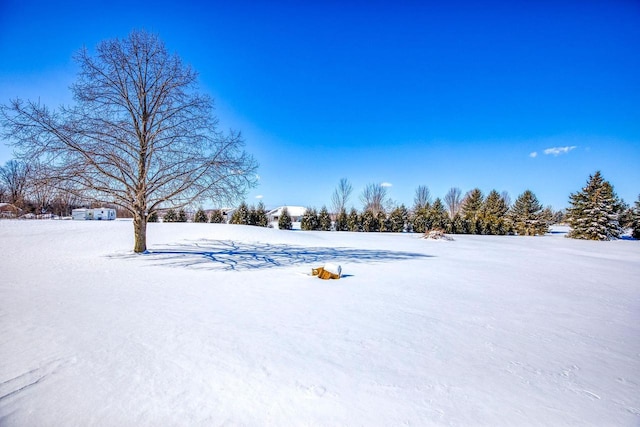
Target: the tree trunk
(140, 233)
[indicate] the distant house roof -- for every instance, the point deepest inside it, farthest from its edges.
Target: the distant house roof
(293, 211)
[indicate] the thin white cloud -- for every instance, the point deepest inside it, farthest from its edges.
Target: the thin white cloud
(533, 154)
(259, 196)
(556, 151)
(386, 184)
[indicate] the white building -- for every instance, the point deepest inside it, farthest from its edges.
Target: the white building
(295, 212)
(99, 214)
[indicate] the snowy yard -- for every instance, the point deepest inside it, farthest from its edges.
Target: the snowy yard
(220, 325)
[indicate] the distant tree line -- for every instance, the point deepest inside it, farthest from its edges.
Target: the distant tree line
(250, 215)
(27, 187)
(473, 214)
(595, 212)
(215, 216)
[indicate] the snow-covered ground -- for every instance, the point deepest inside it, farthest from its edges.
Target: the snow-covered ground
(220, 325)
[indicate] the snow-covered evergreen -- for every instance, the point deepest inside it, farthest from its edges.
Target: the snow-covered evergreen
(594, 211)
(438, 217)
(324, 220)
(260, 215)
(457, 224)
(354, 222)
(200, 216)
(527, 216)
(635, 220)
(170, 216)
(384, 222)
(182, 215)
(284, 221)
(369, 221)
(472, 210)
(398, 219)
(493, 214)
(342, 221)
(216, 217)
(420, 219)
(241, 215)
(310, 220)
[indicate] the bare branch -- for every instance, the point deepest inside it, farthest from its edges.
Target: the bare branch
(453, 199)
(341, 195)
(374, 198)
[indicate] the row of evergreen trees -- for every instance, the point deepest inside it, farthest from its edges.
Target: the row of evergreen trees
(171, 215)
(595, 213)
(252, 215)
(478, 215)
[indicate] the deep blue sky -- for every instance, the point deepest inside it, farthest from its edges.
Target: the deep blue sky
(439, 94)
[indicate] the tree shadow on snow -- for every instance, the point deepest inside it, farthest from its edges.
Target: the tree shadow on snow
(231, 255)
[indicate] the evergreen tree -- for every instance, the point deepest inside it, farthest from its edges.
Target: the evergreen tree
(384, 223)
(201, 216)
(625, 218)
(438, 216)
(594, 211)
(342, 221)
(182, 215)
(324, 220)
(284, 222)
(493, 214)
(354, 221)
(635, 220)
(241, 215)
(398, 219)
(252, 215)
(369, 221)
(527, 216)
(216, 217)
(170, 216)
(420, 219)
(260, 216)
(153, 217)
(472, 211)
(310, 220)
(457, 224)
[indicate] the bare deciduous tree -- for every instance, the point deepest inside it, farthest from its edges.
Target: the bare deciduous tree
(374, 198)
(65, 200)
(41, 188)
(140, 136)
(341, 195)
(453, 199)
(422, 198)
(14, 176)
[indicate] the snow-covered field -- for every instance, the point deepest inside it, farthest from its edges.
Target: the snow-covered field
(220, 325)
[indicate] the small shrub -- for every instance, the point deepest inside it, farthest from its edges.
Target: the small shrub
(436, 235)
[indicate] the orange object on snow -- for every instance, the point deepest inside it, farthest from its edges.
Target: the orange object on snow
(328, 271)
